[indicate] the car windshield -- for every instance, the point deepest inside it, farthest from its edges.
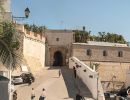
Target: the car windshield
(16, 76)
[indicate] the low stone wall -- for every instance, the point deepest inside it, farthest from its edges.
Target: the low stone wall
(89, 77)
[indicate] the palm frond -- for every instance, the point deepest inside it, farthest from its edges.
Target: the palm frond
(9, 46)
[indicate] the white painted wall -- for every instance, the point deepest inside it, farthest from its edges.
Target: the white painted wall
(90, 82)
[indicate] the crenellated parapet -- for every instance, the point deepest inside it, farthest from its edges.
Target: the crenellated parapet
(38, 37)
(32, 46)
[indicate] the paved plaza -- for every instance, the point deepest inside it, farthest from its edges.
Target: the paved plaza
(64, 87)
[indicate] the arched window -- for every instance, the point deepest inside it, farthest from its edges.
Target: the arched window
(120, 54)
(89, 52)
(104, 53)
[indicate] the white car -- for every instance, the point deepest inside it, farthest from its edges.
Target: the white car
(17, 80)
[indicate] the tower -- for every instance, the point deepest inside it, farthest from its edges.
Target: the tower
(5, 12)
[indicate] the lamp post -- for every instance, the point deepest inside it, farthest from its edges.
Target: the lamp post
(26, 12)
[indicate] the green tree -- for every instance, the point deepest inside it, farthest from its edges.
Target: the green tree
(34, 28)
(108, 37)
(27, 27)
(9, 45)
(102, 36)
(82, 36)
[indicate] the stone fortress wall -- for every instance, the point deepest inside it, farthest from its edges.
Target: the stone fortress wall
(33, 48)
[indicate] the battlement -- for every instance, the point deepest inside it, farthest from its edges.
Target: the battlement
(30, 34)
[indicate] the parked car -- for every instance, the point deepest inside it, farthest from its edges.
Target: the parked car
(17, 80)
(27, 76)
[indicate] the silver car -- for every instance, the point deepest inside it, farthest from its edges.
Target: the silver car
(17, 80)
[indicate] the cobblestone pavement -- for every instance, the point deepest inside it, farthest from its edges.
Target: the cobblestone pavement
(55, 86)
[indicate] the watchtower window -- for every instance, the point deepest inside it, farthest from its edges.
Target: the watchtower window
(120, 54)
(104, 53)
(89, 52)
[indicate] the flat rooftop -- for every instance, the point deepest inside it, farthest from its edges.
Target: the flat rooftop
(103, 44)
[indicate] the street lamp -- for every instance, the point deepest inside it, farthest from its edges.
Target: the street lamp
(26, 12)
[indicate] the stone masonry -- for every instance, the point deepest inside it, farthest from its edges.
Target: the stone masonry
(108, 66)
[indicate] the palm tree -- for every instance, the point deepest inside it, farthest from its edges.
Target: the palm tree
(82, 36)
(9, 44)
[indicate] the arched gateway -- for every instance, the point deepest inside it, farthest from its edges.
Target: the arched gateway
(58, 47)
(58, 59)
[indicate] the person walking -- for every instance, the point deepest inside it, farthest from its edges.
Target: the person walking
(43, 95)
(59, 72)
(75, 74)
(15, 95)
(32, 94)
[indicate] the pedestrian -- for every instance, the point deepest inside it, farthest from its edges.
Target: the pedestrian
(15, 95)
(32, 94)
(74, 72)
(43, 95)
(59, 72)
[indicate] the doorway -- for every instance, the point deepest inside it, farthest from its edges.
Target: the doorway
(58, 59)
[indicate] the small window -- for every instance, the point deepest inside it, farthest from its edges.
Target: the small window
(89, 52)
(57, 39)
(120, 54)
(104, 53)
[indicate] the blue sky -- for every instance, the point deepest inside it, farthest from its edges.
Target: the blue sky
(95, 15)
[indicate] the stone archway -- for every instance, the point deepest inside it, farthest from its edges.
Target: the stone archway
(58, 59)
